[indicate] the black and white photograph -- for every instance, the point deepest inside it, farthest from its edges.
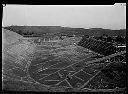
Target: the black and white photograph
(64, 48)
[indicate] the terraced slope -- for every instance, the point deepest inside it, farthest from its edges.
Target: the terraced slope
(100, 47)
(67, 72)
(10, 37)
(69, 67)
(15, 55)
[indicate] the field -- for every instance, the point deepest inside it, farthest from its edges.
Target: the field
(59, 66)
(52, 58)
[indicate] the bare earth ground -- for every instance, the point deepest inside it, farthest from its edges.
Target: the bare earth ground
(52, 56)
(52, 66)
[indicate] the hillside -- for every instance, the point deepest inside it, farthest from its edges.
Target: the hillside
(10, 37)
(58, 30)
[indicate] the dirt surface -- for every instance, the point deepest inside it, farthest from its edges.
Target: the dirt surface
(56, 66)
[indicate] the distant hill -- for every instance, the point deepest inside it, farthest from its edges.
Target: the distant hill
(58, 30)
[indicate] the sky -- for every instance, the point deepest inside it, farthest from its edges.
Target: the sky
(75, 16)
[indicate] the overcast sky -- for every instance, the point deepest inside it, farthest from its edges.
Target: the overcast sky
(82, 16)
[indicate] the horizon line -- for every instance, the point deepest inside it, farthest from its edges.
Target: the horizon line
(65, 27)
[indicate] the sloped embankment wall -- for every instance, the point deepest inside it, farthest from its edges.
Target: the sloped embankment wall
(98, 46)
